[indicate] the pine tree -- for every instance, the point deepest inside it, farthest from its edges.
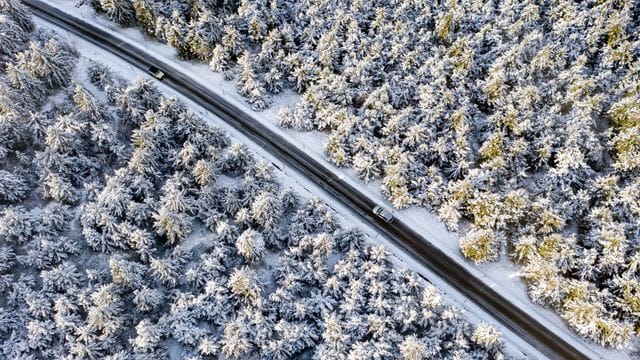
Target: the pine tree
(480, 245)
(174, 226)
(63, 278)
(29, 86)
(16, 224)
(176, 32)
(236, 159)
(120, 11)
(203, 172)
(486, 335)
(12, 36)
(236, 341)
(266, 209)
(145, 15)
(44, 251)
(105, 310)
(51, 62)
(126, 273)
(231, 41)
(208, 347)
(220, 59)
(148, 299)
(18, 13)
(7, 259)
(168, 270)
(250, 245)
(249, 85)
(148, 335)
(88, 104)
(13, 187)
(60, 189)
(243, 283)
(136, 99)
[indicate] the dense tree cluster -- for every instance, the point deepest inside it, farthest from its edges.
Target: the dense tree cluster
(518, 119)
(131, 229)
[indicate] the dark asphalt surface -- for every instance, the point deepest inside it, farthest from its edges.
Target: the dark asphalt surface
(421, 249)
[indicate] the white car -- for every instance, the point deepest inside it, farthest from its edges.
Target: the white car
(383, 214)
(156, 73)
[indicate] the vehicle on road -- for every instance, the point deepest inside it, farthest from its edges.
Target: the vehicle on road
(156, 73)
(383, 214)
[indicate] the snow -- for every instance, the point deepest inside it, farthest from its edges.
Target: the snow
(501, 275)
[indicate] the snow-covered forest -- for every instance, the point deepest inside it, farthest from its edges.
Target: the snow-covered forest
(515, 121)
(132, 229)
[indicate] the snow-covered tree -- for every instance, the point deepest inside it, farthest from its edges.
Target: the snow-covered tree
(120, 11)
(126, 273)
(236, 339)
(18, 13)
(486, 335)
(148, 335)
(12, 36)
(250, 245)
(148, 299)
(480, 245)
(244, 284)
(13, 187)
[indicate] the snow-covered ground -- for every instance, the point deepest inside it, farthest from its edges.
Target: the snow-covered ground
(501, 275)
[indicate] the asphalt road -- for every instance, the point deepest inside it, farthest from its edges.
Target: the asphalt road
(419, 247)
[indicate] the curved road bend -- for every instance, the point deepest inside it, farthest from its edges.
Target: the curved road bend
(420, 248)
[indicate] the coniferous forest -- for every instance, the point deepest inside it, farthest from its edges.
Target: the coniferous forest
(131, 228)
(516, 122)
